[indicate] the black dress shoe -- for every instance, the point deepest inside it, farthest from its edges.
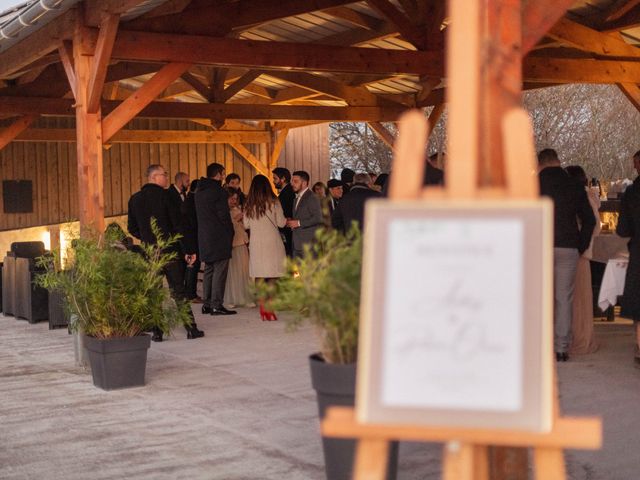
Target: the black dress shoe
(206, 310)
(156, 337)
(562, 356)
(222, 311)
(193, 333)
(565, 357)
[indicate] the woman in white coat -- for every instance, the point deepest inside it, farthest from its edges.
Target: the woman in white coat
(263, 217)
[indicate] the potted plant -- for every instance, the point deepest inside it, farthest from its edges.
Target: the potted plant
(114, 295)
(323, 287)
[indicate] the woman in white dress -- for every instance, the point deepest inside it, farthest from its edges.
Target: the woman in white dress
(263, 217)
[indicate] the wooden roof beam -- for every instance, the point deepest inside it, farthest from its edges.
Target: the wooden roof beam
(197, 85)
(383, 133)
(8, 134)
(66, 55)
(240, 84)
(355, 17)
(154, 47)
(621, 9)
(96, 10)
(245, 153)
(632, 92)
(589, 40)
(415, 35)
(537, 19)
(631, 19)
(141, 98)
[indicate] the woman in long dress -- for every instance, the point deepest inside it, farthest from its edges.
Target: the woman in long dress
(583, 341)
(236, 290)
(263, 217)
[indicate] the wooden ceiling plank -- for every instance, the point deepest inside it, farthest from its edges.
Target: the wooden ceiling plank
(8, 134)
(537, 19)
(141, 98)
(154, 47)
(401, 21)
(355, 17)
(100, 62)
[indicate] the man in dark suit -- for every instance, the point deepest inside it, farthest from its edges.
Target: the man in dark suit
(178, 191)
(351, 207)
(153, 201)
(307, 213)
(331, 201)
(189, 231)
(573, 225)
(346, 177)
(281, 180)
(215, 238)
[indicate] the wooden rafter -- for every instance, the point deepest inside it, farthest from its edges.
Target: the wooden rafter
(150, 136)
(621, 9)
(631, 19)
(8, 134)
(589, 40)
(197, 85)
(245, 153)
(632, 92)
(141, 98)
(383, 133)
(100, 62)
(38, 44)
(355, 17)
(154, 47)
(277, 144)
(538, 17)
(240, 84)
(66, 56)
(96, 10)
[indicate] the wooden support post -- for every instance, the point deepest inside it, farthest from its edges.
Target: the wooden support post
(278, 141)
(66, 55)
(89, 145)
(632, 92)
(435, 114)
(16, 128)
(383, 133)
(245, 153)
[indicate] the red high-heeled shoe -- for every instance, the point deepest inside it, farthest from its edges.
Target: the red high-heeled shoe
(266, 315)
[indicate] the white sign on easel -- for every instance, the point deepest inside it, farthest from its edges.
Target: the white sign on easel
(454, 309)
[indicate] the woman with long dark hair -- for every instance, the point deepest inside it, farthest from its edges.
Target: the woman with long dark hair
(263, 217)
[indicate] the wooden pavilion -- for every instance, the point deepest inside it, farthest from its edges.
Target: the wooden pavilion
(245, 72)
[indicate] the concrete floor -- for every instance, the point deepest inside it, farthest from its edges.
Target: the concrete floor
(238, 405)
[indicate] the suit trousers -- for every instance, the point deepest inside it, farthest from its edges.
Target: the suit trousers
(191, 280)
(174, 273)
(215, 278)
(565, 265)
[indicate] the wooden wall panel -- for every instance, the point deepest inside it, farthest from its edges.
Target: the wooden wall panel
(52, 167)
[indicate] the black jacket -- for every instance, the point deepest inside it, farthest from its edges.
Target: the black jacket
(215, 230)
(570, 206)
(287, 198)
(152, 201)
(351, 207)
(629, 226)
(189, 224)
(432, 175)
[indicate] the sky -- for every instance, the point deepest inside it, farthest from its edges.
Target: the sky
(7, 4)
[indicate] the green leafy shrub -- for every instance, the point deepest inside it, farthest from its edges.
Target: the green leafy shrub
(324, 288)
(114, 292)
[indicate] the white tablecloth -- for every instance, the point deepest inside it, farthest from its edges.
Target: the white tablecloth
(612, 282)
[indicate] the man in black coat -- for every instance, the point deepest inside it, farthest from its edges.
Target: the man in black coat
(351, 206)
(287, 197)
(573, 225)
(178, 191)
(189, 230)
(215, 238)
(153, 201)
(629, 226)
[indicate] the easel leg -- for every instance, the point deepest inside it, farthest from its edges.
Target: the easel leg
(458, 462)
(371, 459)
(549, 464)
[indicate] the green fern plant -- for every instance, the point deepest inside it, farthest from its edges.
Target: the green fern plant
(323, 287)
(114, 292)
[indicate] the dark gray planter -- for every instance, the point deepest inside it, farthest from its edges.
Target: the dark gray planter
(336, 385)
(117, 362)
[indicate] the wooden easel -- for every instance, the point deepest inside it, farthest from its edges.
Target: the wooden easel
(466, 451)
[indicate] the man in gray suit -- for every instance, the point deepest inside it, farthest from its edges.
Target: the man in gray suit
(307, 213)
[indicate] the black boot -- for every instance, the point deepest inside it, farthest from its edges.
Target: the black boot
(193, 332)
(157, 335)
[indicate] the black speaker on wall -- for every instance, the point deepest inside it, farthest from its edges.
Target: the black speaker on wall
(17, 196)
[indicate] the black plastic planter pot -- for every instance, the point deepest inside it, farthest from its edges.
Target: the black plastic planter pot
(118, 362)
(336, 385)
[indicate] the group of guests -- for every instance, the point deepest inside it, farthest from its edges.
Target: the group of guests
(576, 222)
(240, 237)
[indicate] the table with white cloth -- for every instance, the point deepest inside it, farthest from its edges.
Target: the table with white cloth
(613, 282)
